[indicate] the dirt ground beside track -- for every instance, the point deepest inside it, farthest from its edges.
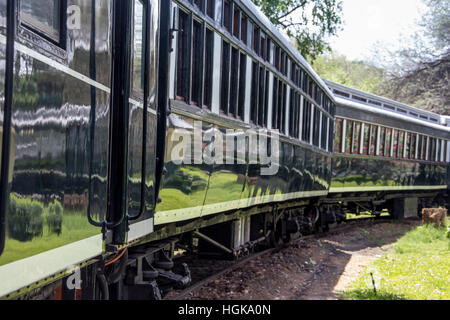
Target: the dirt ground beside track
(312, 269)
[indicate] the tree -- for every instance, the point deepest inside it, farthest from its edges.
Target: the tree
(308, 22)
(356, 74)
(419, 75)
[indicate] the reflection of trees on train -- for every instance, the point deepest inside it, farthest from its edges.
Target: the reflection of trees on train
(53, 136)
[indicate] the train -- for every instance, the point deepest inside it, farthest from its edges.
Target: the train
(134, 130)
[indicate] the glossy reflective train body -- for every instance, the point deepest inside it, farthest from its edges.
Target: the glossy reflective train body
(112, 110)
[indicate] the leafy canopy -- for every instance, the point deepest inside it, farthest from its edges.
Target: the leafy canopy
(308, 22)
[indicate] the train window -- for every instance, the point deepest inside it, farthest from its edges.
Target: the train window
(43, 18)
(373, 139)
(412, 150)
(419, 147)
(330, 134)
(316, 137)
(438, 150)
(197, 59)
(298, 76)
(227, 15)
(275, 104)
(209, 56)
(395, 143)
(236, 21)
(432, 156)
(282, 61)
(293, 72)
(446, 153)
(244, 28)
(366, 141)
(433, 149)
(297, 115)
(326, 104)
(288, 62)
(254, 94)
(183, 57)
(342, 94)
(408, 145)
(348, 136)
(282, 107)
(310, 87)
(388, 143)
(225, 81)
(210, 8)
(338, 138)
(232, 112)
(401, 144)
(324, 136)
(382, 141)
(242, 83)
(266, 100)
(444, 150)
(262, 51)
(356, 138)
(277, 58)
(138, 50)
(304, 81)
(261, 97)
(427, 148)
(291, 114)
(250, 35)
(256, 40)
(268, 47)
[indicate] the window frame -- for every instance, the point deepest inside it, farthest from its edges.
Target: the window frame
(58, 38)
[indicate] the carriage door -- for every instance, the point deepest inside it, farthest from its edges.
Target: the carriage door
(142, 119)
(7, 38)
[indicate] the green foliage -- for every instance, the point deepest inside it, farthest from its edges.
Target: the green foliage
(419, 75)
(355, 74)
(55, 217)
(308, 22)
(417, 269)
(25, 219)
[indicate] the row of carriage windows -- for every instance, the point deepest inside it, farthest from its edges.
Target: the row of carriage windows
(354, 137)
(251, 62)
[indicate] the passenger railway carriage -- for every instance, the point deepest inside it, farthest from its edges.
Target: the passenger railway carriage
(94, 200)
(387, 154)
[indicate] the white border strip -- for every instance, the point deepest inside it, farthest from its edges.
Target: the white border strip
(385, 188)
(140, 229)
(19, 274)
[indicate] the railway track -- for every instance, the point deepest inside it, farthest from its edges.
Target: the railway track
(349, 224)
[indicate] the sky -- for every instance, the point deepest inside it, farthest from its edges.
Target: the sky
(368, 22)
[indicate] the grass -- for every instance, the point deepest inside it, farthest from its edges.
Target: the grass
(418, 268)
